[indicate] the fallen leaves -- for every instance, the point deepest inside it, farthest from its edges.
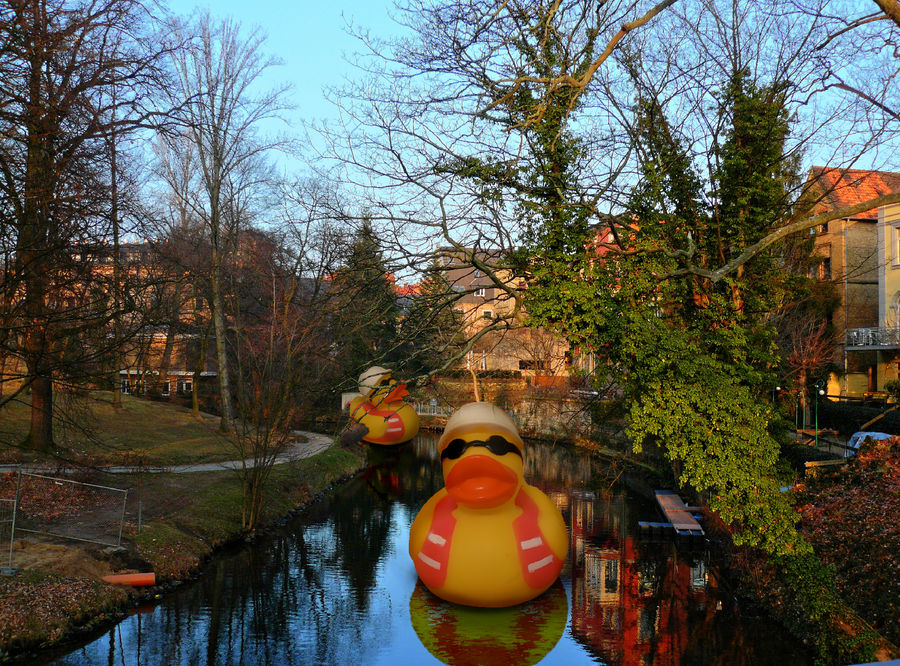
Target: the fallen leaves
(45, 607)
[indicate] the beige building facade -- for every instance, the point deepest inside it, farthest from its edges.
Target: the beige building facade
(536, 353)
(855, 257)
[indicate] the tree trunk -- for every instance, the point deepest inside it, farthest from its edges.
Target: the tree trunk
(166, 360)
(117, 277)
(475, 388)
(198, 369)
(804, 400)
(41, 436)
(31, 257)
(221, 358)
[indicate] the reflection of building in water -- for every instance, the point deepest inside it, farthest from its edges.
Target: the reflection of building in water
(630, 602)
(556, 466)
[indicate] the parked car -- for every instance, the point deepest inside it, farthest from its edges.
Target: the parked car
(857, 438)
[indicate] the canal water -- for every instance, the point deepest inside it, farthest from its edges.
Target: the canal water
(336, 586)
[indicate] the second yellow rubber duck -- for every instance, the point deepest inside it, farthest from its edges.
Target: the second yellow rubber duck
(381, 409)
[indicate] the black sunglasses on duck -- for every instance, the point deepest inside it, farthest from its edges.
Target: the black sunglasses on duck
(495, 444)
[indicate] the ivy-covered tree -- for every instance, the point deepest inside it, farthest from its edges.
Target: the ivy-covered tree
(693, 355)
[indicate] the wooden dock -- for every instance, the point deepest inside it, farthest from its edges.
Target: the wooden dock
(677, 513)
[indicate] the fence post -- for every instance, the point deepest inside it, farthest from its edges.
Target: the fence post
(12, 530)
(122, 520)
(15, 508)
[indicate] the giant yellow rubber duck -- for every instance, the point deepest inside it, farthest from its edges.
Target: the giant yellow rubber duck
(381, 409)
(487, 538)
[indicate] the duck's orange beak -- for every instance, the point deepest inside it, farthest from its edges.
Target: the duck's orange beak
(481, 481)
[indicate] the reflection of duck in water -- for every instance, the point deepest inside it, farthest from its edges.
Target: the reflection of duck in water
(508, 636)
(487, 538)
(381, 409)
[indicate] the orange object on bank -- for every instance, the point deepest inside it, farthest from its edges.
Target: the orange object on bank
(133, 579)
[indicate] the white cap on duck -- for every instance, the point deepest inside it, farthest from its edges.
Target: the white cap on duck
(368, 380)
(480, 416)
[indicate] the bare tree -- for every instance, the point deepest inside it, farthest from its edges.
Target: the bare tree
(218, 72)
(807, 344)
(283, 347)
(60, 61)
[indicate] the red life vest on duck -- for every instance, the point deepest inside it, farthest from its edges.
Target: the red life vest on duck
(540, 566)
(395, 425)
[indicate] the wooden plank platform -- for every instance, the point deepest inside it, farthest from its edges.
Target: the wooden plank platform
(676, 512)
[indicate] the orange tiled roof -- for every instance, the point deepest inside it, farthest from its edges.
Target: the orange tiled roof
(848, 187)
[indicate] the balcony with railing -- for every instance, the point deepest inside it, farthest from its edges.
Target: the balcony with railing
(862, 339)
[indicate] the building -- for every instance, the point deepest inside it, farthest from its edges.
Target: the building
(853, 258)
(536, 353)
(880, 342)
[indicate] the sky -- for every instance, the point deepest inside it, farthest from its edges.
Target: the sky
(309, 37)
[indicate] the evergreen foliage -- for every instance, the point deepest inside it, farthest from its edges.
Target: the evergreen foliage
(367, 314)
(432, 330)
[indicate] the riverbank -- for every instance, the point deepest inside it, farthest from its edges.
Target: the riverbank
(58, 591)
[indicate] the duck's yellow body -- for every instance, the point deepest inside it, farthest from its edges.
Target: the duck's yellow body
(488, 538)
(381, 409)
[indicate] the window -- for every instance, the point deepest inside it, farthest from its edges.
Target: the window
(895, 246)
(186, 386)
(487, 314)
(164, 389)
(646, 624)
(611, 580)
(477, 273)
(124, 386)
(480, 292)
(821, 270)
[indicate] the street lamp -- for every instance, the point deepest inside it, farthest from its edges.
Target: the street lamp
(819, 391)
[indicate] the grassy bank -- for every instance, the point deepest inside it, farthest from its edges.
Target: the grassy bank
(176, 542)
(89, 430)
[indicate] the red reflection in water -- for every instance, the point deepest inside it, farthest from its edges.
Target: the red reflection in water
(633, 602)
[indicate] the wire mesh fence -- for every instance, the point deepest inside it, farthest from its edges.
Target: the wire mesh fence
(69, 509)
(7, 531)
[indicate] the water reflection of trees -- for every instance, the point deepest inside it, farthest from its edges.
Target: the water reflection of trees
(546, 465)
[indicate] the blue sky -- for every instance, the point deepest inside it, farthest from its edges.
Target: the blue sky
(309, 37)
